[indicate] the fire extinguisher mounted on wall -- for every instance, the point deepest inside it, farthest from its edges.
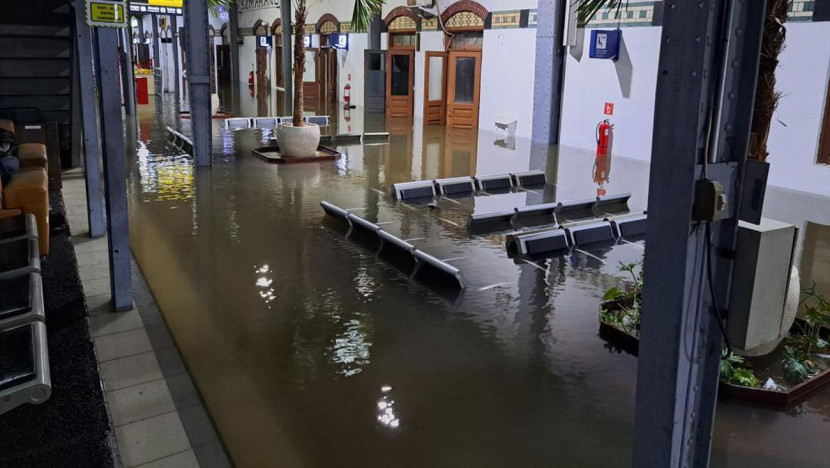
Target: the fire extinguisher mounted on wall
(605, 137)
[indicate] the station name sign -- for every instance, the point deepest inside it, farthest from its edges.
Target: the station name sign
(164, 7)
(248, 5)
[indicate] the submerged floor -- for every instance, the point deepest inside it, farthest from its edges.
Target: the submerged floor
(302, 342)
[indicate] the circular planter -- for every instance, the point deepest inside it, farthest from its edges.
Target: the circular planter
(298, 142)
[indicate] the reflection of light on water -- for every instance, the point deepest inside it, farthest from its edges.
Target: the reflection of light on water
(365, 283)
(351, 349)
(266, 292)
(169, 177)
(386, 409)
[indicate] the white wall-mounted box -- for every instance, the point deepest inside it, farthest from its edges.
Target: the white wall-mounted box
(760, 279)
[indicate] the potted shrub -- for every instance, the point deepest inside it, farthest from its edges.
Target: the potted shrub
(299, 138)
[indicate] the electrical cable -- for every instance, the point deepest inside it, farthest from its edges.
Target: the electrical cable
(710, 281)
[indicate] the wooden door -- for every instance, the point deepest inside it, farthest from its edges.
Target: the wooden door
(278, 63)
(329, 81)
(311, 77)
(375, 80)
(463, 89)
(435, 100)
(261, 66)
(400, 77)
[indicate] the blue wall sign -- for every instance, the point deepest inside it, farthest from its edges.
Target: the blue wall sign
(605, 44)
(265, 41)
(339, 41)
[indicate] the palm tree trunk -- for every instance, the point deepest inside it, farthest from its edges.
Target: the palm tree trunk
(299, 61)
(766, 97)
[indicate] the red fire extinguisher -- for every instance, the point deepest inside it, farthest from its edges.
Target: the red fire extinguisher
(347, 94)
(602, 163)
(605, 137)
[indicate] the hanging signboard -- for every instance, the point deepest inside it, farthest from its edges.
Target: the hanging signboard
(106, 13)
(339, 41)
(248, 5)
(164, 7)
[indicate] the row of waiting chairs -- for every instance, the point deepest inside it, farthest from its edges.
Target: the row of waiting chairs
(24, 357)
(270, 123)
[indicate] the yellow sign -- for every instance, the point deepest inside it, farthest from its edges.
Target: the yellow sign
(106, 13)
(166, 3)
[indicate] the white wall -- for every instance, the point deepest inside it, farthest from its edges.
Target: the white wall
(629, 83)
(507, 78)
(802, 79)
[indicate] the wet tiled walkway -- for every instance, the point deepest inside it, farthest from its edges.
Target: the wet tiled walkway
(158, 416)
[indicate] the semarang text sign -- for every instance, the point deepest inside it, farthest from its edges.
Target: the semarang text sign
(247, 5)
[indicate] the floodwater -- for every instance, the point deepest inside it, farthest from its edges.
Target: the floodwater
(310, 351)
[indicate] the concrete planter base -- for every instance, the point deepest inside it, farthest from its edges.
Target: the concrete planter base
(298, 142)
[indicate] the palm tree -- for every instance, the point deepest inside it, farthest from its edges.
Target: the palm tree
(364, 10)
(772, 44)
(213, 6)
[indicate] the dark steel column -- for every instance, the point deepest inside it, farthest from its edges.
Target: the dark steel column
(375, 26)
(115, 175)
(155, 31)
(127, 80)
(550, 72)
(702, 78)
(89, 113)
(233, 37)
(198, 79)
(287, 57)
(174, 25)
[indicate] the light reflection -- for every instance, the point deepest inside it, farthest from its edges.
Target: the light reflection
(386, 409)
(351, 349)
(266, 292)
(168, 177)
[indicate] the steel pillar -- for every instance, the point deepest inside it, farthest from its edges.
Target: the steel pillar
(157, 54)
(127, 80)
(233, 37)
(680, 339)
(174, 25)
(198, 79)
(550, 72)
(115, 174)
(375, 26)
(89, 106)
(287, 57)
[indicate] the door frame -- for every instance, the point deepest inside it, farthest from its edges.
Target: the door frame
(443, 102)
(410, 52)
(316, 82)
(823, 156)
(450, 93)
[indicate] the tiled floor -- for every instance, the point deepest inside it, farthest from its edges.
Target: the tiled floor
(158, 416)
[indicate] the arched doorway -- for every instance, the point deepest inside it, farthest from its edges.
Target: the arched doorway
(465, 20)
(402, 26)
(326, 26)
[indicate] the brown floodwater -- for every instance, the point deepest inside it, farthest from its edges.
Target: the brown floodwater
(310, 351)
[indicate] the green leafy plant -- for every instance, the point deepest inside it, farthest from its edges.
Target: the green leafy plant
(797, 365)
(731, 371)
(626, 304)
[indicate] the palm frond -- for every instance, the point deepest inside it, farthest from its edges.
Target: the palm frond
(586, 9)
(363, 12)
(213, 6)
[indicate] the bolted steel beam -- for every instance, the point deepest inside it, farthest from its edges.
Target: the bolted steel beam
(89, 117)
(198, 79)
(680, 339)
(115, 174)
